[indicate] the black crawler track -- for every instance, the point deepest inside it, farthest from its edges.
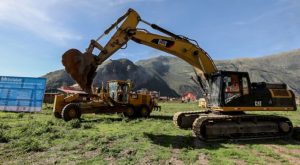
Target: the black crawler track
(184, 120)
(214, 127)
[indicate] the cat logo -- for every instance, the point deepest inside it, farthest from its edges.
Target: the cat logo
(163, 42)
(257, 103)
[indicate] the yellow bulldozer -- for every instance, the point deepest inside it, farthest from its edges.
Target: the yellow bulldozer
(117, 97)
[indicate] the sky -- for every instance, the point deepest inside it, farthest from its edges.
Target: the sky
(34, 34)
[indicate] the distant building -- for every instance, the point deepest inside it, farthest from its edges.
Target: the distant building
(188, 96)
(154, 94)
(164, 98)
(74, 89)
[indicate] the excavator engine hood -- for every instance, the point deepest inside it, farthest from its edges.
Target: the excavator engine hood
(81, 66)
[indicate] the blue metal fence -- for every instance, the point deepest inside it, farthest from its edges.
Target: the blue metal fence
(21, 94)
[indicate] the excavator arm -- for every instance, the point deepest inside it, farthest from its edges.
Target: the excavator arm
(181, 48)
(82, 67)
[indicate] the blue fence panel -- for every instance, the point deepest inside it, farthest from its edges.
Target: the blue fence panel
(21, 94)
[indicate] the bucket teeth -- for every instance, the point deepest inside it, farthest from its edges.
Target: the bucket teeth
(81, 66)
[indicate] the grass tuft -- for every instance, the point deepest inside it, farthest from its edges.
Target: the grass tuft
(29, 145)
(20, 115)
(74, 123)
(87, 126)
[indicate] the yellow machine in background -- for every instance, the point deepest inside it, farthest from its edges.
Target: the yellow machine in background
(117, 97)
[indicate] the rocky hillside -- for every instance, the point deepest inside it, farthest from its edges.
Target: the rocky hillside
(121, 69)
(174, 71)
(172, 76)
(124, 69)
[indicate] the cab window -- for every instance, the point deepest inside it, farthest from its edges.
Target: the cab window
(231, 87)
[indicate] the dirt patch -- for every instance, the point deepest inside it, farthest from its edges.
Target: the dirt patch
(271, 160)
(111, 160)
(148, 158)
(90, 154)
(203, 159)
(286, 153)
(52, 156)
(240, 146)
(36, 158)
(239, 162)
(146, 161)
(127, 153)
(267, 159)
(174, 158)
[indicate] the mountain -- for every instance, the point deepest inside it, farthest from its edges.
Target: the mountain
(172, 76)
(174, 71)
(121, 69)
(57, 79)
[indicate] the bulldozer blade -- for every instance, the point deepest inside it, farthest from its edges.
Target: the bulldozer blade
(81, 66)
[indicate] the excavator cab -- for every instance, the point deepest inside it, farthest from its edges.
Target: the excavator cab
(228, 86)
(233, 91)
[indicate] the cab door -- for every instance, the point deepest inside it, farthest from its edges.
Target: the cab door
(231, 88)
(236, 89)
(112, 88)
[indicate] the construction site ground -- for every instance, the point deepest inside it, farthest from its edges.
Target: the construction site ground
(39, 138)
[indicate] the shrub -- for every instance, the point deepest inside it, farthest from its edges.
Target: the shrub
(50, 122)
(29, 145)
(36, 128)
(20, 115)
(87, 126)
(33, 146)
(90, 147)
(3, 137)
(74, 123)
(4, 126)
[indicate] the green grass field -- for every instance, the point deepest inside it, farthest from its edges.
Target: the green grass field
(39, 138)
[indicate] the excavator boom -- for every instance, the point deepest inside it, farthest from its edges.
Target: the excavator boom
(82, 66)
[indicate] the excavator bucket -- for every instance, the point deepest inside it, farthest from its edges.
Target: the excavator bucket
(81, 66)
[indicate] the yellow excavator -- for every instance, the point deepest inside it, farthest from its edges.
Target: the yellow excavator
(229, 93)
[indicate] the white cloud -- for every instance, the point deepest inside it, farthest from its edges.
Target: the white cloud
(47, 19)
(35, 17)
